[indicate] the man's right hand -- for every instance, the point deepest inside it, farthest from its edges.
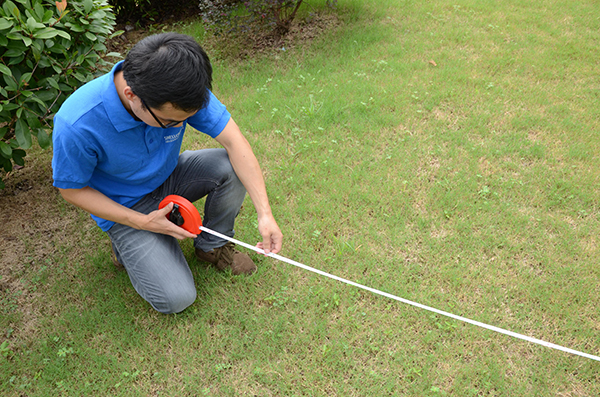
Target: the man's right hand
(157, 222)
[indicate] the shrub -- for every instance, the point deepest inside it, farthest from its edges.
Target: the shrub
(149, 11)
(276, 15)
(266, 16)
(47, 50)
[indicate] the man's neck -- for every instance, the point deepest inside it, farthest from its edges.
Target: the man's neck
(120, 85)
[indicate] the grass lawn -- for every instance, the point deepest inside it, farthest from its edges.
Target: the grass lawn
(445, 152)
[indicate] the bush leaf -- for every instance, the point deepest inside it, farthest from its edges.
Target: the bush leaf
(5, 70)
(6, 150)
(23, 134)
(43, 138)
(5, 24)
(46, 33)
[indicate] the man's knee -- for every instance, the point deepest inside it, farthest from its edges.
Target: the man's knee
(174, 301)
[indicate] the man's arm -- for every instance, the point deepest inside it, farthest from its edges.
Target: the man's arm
(98, 204)
(246, 167)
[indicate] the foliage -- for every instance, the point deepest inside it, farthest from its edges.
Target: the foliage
(125, 9)
(275, 14)
(235, 16)
(47, 50)
(142, 11)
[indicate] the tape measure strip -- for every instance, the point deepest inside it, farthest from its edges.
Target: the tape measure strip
(406, 301)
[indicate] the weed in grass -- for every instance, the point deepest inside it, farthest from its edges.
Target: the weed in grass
(280, 298)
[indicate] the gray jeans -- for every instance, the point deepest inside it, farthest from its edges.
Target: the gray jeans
(154, 262)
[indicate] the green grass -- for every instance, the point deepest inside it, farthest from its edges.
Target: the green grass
(444, 152)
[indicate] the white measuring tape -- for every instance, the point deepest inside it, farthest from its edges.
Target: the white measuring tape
(397, 298)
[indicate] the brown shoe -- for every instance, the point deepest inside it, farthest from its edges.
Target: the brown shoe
(227, 257)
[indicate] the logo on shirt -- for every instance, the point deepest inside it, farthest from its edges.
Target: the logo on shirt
(172, 138)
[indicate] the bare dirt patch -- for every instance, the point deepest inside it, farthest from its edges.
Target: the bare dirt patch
(36, 224)
(301, 32)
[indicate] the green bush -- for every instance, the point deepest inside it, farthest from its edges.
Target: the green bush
(144, 12)
(47, 50)
(251, 16)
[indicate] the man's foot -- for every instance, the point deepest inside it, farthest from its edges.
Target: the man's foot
(227, 257)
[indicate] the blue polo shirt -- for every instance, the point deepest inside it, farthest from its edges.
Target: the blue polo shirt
(97, 143)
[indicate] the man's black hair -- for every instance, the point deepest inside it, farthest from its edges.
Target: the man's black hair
(169, 67)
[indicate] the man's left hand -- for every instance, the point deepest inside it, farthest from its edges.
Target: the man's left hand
(271, 234)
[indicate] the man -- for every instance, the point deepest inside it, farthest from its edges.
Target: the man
(116, 155)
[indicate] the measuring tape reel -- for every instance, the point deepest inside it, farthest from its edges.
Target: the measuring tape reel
(183, 214)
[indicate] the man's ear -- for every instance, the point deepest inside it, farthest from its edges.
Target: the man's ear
(128, 93)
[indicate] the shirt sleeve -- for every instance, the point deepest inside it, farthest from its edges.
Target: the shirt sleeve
(211, 119)
(73, 159)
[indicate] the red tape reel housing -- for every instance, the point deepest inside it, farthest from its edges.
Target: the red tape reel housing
(191, 217)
